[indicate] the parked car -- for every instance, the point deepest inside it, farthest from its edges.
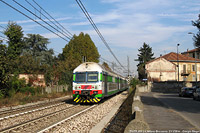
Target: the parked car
(196, 94)
(186, 91)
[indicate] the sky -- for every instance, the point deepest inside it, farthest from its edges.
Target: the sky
(125, 24)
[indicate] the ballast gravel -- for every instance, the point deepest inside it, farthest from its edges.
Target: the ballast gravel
(85, 121)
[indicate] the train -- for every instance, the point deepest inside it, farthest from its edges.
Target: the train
(93, 82)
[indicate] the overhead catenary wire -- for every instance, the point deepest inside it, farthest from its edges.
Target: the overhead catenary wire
(52, 18)
(40, 19)
(97, 30)
(33, 20)
(2, 27)
(60, 28)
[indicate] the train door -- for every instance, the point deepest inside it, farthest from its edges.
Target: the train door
(118, 85)
(105, 84)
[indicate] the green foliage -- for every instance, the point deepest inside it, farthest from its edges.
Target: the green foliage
(4, 69)
(134, 82)
(1, 94)
(29, 90)
(36, 46)
(197, 36)
(15, 84)
(106, 66)
(79, 47)
(15, 35)
(145, 55)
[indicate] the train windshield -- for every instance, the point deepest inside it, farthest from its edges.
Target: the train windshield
(80, 77)
(86, 77)
(92, 77)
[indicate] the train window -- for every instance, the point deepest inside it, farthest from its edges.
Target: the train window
(92, 76)
(80, 77)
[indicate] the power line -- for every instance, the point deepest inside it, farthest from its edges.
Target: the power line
(96, 29)
(67, 34)
(2, 27)
(4, 38)
(52, 18)
(33, 19)
(40, 18)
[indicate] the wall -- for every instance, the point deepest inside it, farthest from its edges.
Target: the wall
(161, 70)
(56, 88)
(170, 86)
(37, 80)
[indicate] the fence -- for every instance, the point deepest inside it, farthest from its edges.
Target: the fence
(56, 88)
(170, 86)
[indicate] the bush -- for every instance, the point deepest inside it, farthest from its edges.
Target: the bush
(134, 82)
(1, 94)
(15, 84)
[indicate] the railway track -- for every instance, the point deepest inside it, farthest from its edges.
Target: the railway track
(85, 120)
(17, 110)
(35, 125)
(60, 117)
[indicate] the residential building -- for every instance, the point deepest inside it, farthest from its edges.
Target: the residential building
(191, 53)
(36, 80)
(173, 67)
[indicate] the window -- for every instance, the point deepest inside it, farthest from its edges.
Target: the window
(80, 77)
(193, 68)
(184, 68)
(92, 77)
(86, 77)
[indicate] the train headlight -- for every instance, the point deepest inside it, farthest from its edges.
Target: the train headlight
(75, 87)
(95, 92)
(96, 87)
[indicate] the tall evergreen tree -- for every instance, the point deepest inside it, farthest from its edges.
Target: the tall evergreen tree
(145, 55)
(4, 69)
(197, 36)
(15, 35)
(78, 48)
(36, 46)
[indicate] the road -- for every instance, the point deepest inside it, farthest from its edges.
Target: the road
(168, 112)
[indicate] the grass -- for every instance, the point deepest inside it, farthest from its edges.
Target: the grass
(21, 98)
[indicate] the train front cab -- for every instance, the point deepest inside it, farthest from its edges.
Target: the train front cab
(87, 87)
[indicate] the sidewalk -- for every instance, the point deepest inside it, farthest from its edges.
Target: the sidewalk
(161, 118)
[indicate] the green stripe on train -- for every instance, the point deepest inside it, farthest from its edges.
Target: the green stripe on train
(98, 95)
(74, 77)
(101, 76)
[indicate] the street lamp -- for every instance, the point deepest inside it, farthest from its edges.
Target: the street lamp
(195, 61)
(178, 64)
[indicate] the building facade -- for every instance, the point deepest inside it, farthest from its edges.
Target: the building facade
(173, 67)
(194, 53)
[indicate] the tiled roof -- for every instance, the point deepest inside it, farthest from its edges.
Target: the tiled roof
(191, 51)
(173, 57)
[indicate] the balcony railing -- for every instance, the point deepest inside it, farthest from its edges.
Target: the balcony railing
(185, 72)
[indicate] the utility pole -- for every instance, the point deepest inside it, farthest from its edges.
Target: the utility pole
(128, 65)
(113, 66)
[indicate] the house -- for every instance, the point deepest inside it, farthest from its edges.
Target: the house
(36, 80)
(173, 67)
(191, 53)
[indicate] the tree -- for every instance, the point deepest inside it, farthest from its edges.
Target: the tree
(36, 46)
(197, 36)
(79, 47)
(145, 55)
(4, 69)
(106, 66)
(15, 35)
